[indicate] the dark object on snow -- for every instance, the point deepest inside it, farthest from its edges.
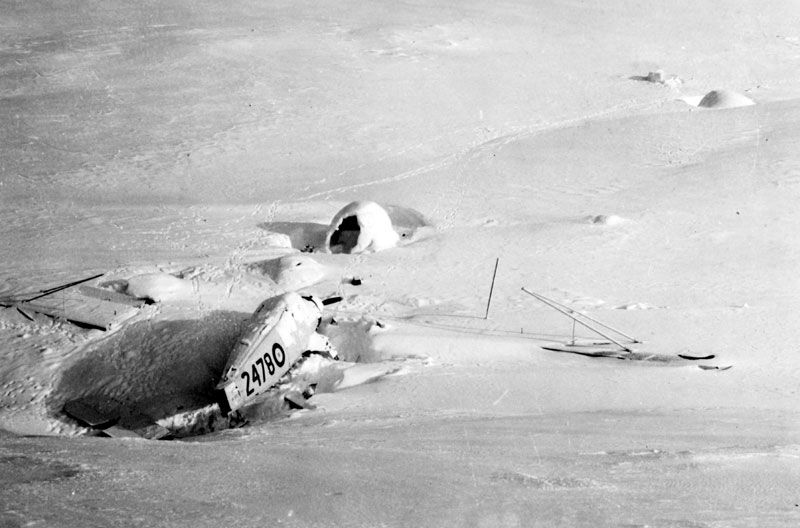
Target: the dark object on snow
(88, 415)
(346, 235)
(355, 281)
(112, 424)
(331, 300)
(695, 358)
(602, 350)
(296, 401)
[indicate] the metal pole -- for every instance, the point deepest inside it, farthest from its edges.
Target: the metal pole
(565, 312)
(491, 289)
(601, 323)
(63, 287)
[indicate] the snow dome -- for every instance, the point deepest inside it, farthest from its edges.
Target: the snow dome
(360, 227)
(724, 99)
(294, 272)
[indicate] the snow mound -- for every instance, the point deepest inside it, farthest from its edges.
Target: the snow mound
(659, 77)
(656, 76)
(159, 287)
(292, 272)
(361, 227)
(635, 306)
(609, 220)
(277, 240)
(724, 99)
(408, 223)
(353, 340)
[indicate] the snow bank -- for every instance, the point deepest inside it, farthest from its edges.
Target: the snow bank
(361, 227)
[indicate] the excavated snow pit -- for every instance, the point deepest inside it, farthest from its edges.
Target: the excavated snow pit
(156, 379)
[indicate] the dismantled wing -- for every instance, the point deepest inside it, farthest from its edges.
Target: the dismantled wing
(273, 340)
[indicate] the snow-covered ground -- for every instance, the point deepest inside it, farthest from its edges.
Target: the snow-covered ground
(194, 152)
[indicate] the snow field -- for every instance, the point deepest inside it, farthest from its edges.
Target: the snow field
(213, 144)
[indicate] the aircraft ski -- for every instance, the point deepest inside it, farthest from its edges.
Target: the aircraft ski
(620, 347)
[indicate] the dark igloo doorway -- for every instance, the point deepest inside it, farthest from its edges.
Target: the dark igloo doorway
(345, 238)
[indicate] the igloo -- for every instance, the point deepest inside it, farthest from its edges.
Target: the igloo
(361, 227)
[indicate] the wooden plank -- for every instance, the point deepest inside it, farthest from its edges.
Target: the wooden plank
(88, 414)
(73, 305)
(116, 431)
(144, 426)
(111, 296)
(112, 423)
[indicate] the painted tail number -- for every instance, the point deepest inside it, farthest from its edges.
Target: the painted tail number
(263, 370)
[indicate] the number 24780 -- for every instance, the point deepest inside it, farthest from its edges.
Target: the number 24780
(263, 367)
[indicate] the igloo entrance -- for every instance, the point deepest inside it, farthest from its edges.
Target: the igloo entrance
(361, 227)
(345, 237)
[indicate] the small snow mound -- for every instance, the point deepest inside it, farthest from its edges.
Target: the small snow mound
(353, 340)
(659, 77)
(292, 272)
(278, 240)
(410, 224)
(656, 76)
(159, 287)
(609, 220)
(635, 306)
(361, 227)
(724, 99)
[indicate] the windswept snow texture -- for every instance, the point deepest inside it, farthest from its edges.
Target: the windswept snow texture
(195, 153)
